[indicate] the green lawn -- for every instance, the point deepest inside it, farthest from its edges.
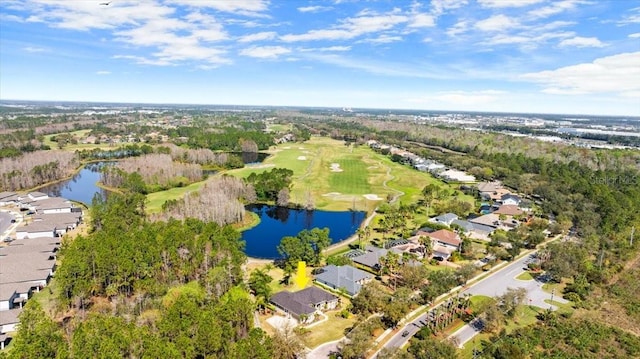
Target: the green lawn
(156, 200)
(332, 329)
(525, 276)
(363, 172)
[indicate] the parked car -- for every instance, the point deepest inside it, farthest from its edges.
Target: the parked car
(405, 333)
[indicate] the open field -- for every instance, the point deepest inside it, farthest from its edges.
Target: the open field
(80, 146)
(155, 200)
(340, 177)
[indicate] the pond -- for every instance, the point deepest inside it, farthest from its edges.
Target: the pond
(277, 222)
(82, 187)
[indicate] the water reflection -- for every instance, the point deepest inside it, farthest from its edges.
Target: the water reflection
(277, 222)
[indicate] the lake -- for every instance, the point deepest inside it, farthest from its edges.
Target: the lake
(277, 222)
(82, 187)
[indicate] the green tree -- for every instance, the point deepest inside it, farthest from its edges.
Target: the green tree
(38, 336)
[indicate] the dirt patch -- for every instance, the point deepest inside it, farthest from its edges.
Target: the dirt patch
(331, 194)
(372, 197)
(335, 167)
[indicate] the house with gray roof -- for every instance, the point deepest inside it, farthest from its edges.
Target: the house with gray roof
(445, 219)
(304, 304)
(474, 230)
(51, 205)
(371, 257)
(38, 229)
(8, 198)
(347, 278)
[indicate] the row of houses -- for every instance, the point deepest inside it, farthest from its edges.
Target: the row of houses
(27, 266)
(28, 262)
(423, 164)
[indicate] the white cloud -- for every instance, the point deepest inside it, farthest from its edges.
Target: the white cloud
(10, 17)
(383, 39)
(634, 35)
(242, 7)
(579, 41)
(618, 74)
(103, 72)
(334, 48)
(422, 20)
(265, 52)
(496, 23)
(507, 3)
(556, 7)
(34, 49)
(458, 28)
(141, 60)
(350, 28)
(439, 7)
(260, 36)
(316, 8)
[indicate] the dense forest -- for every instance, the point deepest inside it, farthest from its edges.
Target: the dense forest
(138, 289)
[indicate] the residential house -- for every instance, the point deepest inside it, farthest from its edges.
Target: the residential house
(54, 205)
(371, 257)
(492, 191)
(474, 230)
(43, 228)
(8, 323)
(490, 220)
(510, 199)
(8, 198)
(452, 175)
(345, 278)
(445, 219)
(303, 305)
(444, 243)
(68, 221)
(37, 196)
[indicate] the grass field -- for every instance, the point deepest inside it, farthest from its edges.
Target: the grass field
(338, 177)
(80, 146)
(156, 200)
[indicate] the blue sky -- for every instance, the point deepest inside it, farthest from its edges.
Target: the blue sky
(542, 56)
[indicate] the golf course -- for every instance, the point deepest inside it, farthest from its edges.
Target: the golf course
(338, 177)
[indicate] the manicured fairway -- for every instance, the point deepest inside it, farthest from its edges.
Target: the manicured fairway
(340, 177)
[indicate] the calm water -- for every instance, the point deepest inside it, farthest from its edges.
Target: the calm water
(82, 187)
(278, 222)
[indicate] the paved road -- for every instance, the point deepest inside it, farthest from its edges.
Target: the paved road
(494, 285)
(497, 285)
(5, 223)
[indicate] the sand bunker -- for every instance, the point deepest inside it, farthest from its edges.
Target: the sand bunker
(372, 197)
(335, 167)
(331, 194)
(302, 158)
(287, 147)
(301, 148)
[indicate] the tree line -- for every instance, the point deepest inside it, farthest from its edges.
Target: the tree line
(131, 288)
